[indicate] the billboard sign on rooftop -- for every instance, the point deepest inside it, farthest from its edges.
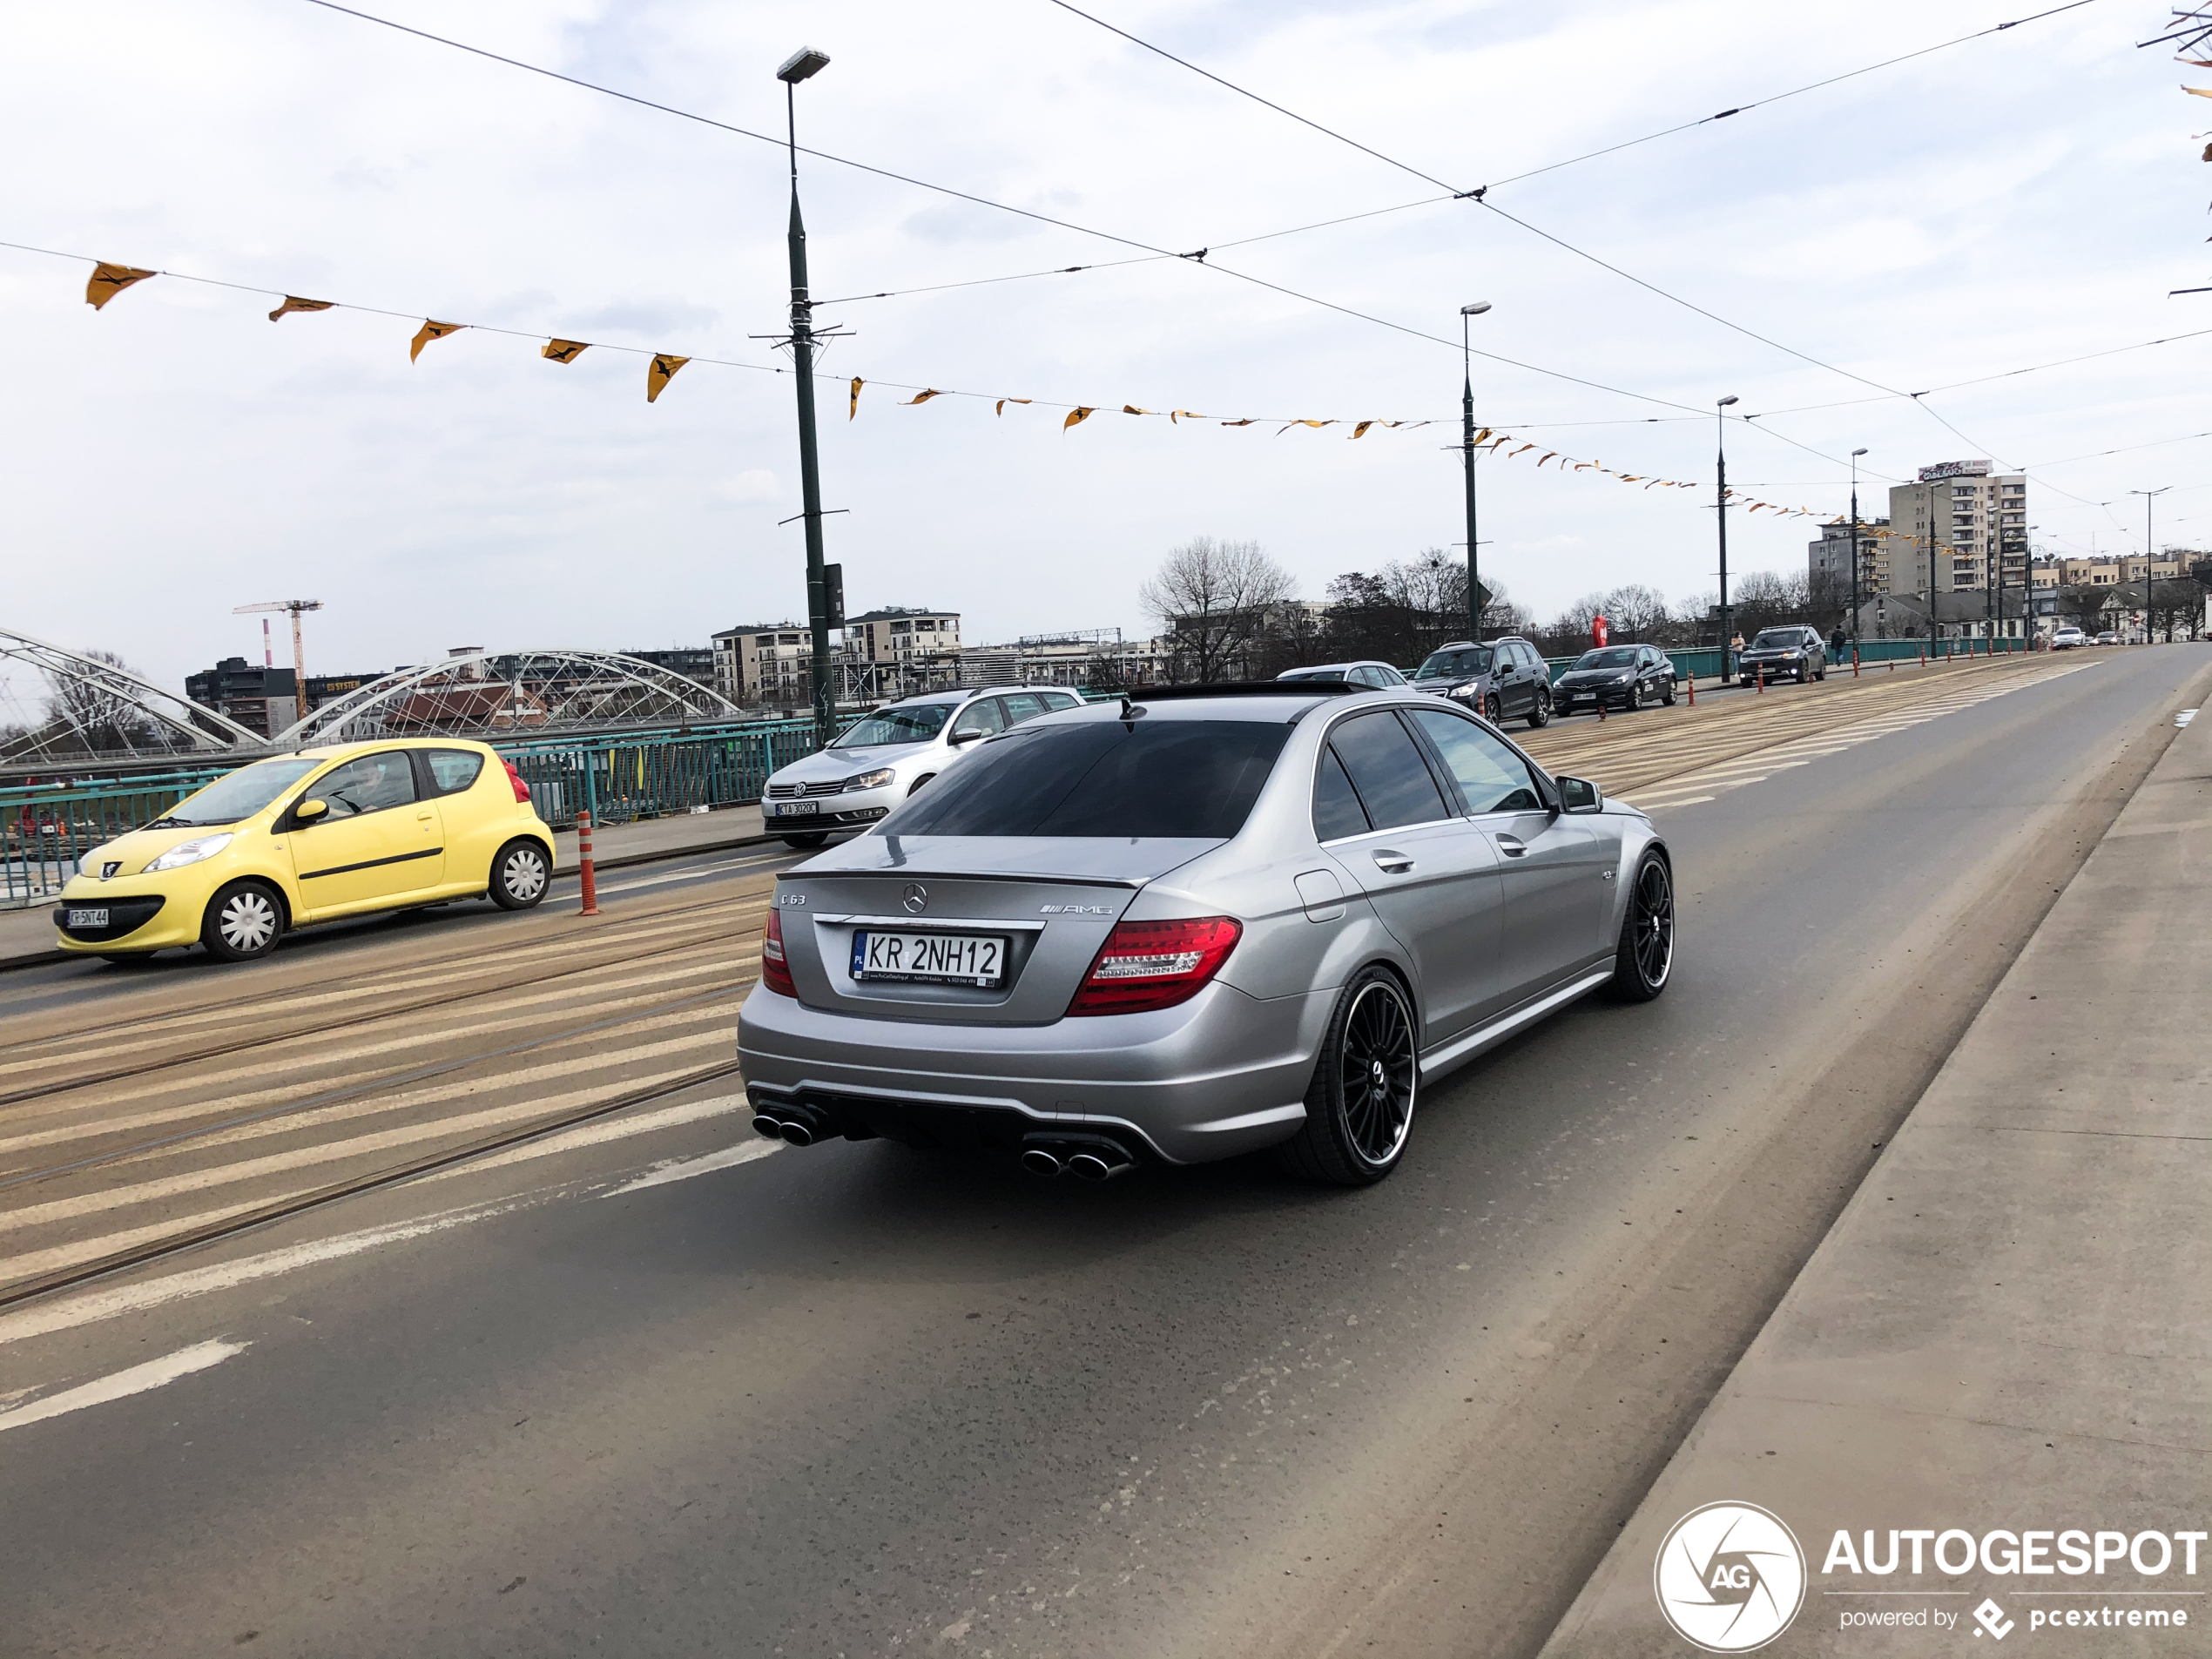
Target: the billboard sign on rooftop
(1954, 469)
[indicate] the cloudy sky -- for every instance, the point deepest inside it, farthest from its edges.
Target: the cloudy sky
(2023, 197)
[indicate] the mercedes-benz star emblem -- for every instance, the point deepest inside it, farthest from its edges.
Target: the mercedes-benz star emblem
(916, 898)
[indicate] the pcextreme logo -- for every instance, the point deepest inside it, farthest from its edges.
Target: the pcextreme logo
(1730, 1577)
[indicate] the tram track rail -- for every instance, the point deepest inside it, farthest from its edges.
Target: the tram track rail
(281, 1208)
(360, 1017)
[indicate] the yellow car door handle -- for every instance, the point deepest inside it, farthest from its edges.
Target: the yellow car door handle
(426, 817)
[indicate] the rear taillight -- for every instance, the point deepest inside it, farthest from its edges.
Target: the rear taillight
(1155, 964)
(521, 789)
(775, 971)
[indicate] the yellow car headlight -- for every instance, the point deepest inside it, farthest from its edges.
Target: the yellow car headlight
(191, 851)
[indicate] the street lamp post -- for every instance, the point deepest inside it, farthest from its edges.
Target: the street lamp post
(2150, 552)
(1854, 552)
(801, 65)
(1720, 430)
(1466, 450)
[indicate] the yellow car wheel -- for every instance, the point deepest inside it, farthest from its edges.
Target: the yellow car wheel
(520, 875)
(244, 920)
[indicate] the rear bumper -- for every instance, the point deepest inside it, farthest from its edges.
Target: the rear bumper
(1224, 1074)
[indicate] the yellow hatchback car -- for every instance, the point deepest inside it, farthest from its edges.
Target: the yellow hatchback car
(312, 837)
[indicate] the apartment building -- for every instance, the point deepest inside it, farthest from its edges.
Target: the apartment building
(1966, 526)
(768, 662)
(900, 649)
(2170, 566)
(1828, 560)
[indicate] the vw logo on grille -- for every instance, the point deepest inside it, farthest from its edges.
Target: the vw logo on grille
(916, 898)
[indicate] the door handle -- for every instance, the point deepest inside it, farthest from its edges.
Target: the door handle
(1513, 846)
(1392, 863)
(426, 817)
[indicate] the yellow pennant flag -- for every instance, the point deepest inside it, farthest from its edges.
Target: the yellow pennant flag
(1005, 400)
(1481, 435)
(1287, 425)
(2198, 91)
(108, 280)
(1360, 431)
(1247, 421)
(922, 396)
(294, 302)
(1075, 416)
(565, 351)
(1131, 408)
(1547, 455)
(853, 407)
(428, 332)
(660, 371)
(1185, 415)
(1523, 450)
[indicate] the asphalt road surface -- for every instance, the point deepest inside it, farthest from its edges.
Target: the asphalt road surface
(648, 1384)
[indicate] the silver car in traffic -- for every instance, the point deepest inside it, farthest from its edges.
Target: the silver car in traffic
(1198, 922)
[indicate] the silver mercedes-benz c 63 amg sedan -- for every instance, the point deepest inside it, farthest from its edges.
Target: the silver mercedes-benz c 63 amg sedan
(1194, 923)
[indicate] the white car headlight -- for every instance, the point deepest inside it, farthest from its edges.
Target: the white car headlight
(204, 847)
(876, 779)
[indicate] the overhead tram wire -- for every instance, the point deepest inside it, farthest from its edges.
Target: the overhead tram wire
(1478, 194)
(1197, 257)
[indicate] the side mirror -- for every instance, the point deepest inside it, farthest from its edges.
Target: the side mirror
(960, 738)
(308, 811)
(1578, 795)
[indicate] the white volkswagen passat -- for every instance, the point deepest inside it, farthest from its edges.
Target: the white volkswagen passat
(889, 754)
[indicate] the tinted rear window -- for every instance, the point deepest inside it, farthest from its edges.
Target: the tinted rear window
(1194, 778)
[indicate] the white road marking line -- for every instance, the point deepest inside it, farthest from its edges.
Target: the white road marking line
(138, 1379)
(1662, 806)
(31, 1263)
(370, 1106)
(609, 1129)
(684, 1169)
(327, 1152)
(92, 1306)
(174, 1025)
(323, 1052)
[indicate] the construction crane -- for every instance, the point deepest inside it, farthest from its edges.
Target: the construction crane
(298, 651)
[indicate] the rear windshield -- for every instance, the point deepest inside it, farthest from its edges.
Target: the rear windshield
(1455, 664)
(240, 795)
(1194, 778)
(1613, 658)
(916, 722)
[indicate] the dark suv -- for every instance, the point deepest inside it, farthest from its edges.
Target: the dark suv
(1502, 679)
(1792, 652)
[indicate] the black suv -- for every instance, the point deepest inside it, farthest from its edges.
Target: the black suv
(1502, 679)
(1791, 652)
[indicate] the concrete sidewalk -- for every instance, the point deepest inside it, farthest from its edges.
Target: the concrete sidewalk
(27, 936)
(2008, 1331)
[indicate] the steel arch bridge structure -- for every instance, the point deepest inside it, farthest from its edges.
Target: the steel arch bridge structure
(505, 695)
(94, 709)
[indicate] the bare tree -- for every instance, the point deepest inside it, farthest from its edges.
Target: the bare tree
(1213, 600)
(1635, 612)
(98, 716)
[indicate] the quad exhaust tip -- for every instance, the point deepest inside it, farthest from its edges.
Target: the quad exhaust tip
(768, 1126)
(791, 1130)
(1089, 1160)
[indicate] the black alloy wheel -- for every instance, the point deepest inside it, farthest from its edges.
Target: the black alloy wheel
(1646, 957)
(1360, 1106)
(1540, 711)
(811, 839)
(244, 921)
(520, 875)
(1667, 697)
(1492, 711)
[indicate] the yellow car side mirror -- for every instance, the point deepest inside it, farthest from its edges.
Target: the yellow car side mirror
(308, 811)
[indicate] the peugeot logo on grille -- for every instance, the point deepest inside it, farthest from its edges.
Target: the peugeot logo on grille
(916, 898)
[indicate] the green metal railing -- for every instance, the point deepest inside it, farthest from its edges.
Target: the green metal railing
(46, 827)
